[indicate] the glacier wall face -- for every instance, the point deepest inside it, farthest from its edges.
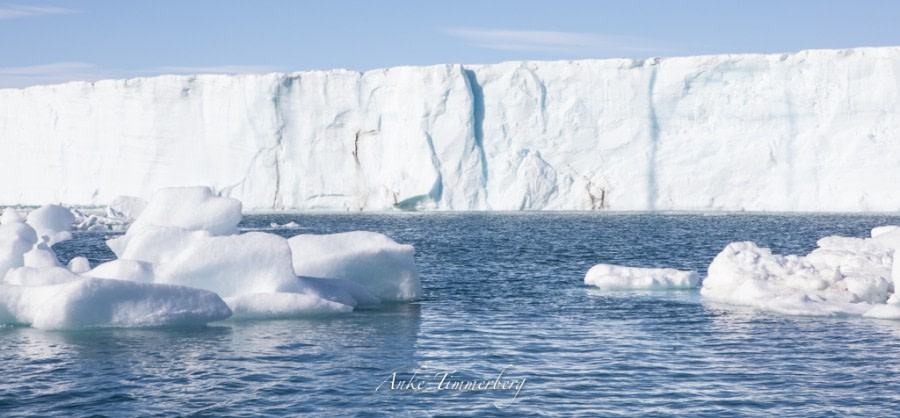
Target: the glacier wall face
(811, 131)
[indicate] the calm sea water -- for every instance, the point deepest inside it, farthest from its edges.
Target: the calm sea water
(503, 293)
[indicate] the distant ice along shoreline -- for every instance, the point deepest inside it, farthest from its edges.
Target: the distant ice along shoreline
(810, 131)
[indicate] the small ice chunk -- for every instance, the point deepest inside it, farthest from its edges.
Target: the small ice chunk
(187, 208)
(613, 277)
(193, 209)
(41, 256)
(53, 222)
(16, 239)
(843, 276)
(386, 269)
(10, 215)
(126, 208)
(889, 238)
(886, 311)
(289, 225)
(94, 222)
(79, 265)
(880, 230)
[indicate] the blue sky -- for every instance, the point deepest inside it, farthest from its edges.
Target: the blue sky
(54, 41)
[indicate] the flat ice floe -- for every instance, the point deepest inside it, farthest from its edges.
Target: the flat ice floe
(843, 276)
(613, 277)
(183, 262)
(88, 302)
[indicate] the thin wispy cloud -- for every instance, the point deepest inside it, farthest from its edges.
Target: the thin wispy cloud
(547, 41)
(17, 11)
(217, 69)
(45, 69)
(62, 72)
(59, 72)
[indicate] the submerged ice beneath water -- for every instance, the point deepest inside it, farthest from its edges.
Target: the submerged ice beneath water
(182, 261)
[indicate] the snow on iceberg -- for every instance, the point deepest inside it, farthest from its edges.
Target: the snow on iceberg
(10, 215)
(193, 209)
(230, 265)
(53, 222)
(16, 239)
(38, 276)
(843, 276)
(613, 277)
(79, 265)
(233, 266)
(126, 208)
(41, 256)
(188, 208)
(133, 270)
(203, 250)
(372, 260)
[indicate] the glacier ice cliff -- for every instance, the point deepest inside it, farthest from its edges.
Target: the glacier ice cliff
(816, 130)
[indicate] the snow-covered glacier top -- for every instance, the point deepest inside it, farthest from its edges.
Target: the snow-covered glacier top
(816, 130)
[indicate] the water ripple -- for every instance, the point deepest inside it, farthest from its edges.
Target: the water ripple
(503, 292)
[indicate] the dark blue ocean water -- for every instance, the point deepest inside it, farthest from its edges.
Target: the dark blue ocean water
(503, 292)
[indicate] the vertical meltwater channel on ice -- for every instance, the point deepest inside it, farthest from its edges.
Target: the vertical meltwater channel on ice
(810, 131)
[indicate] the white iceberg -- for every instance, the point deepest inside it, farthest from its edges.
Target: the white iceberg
(188, 208)
(79, 265)
(10, 215)
(40, 256)
(246, 269)
(89, 302)
(230, 265)
(614, 277)
(52, 222)
(16, 239)
(374, 261)
(55, 298)
(182, 262)
(843, 276)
